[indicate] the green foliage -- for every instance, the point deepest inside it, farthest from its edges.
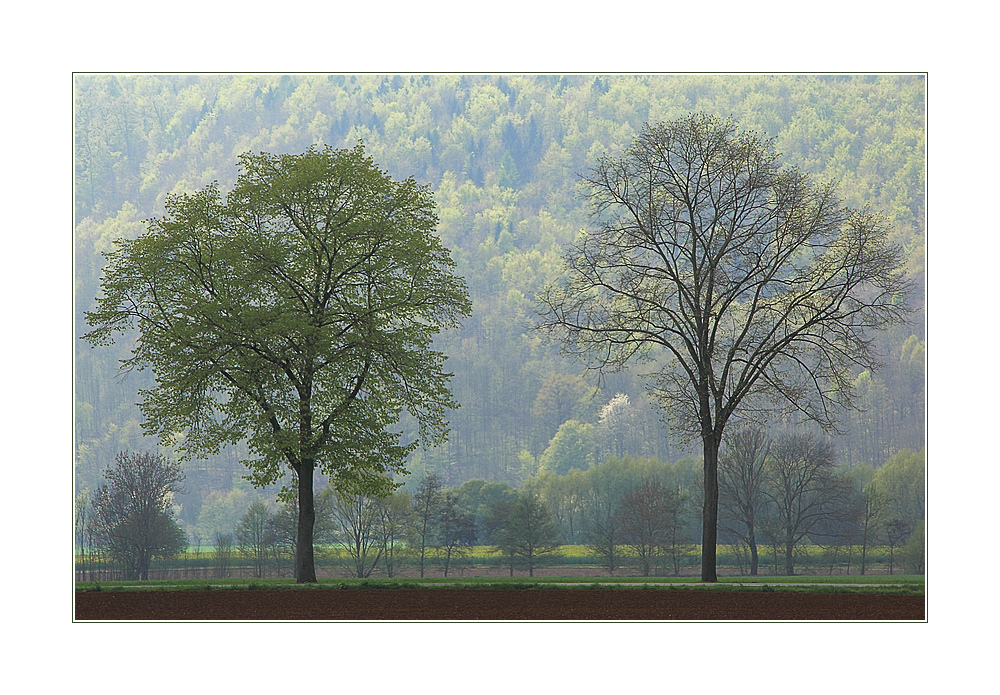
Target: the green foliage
(571, 447)
(901, 479)
(287, 296)
(222, 510)
(913, 552)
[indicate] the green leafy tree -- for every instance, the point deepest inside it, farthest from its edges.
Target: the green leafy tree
(477, 497)
(572, 447)
(901, 479)
(913, 554)
(561, 397)
(564, 495)
(870, 518)
(750, 287)
(298, 312)
(897, 532)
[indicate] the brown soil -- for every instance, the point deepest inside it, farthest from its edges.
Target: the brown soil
(537, 604)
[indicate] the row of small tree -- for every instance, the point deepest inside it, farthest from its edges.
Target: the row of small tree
(435, 526)
(372, 535)
(778, 493)
(789, 490)
(438, 526)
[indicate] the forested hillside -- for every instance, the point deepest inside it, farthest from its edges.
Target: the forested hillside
(502, 155)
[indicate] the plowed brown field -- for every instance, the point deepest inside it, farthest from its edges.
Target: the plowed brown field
(538, 604)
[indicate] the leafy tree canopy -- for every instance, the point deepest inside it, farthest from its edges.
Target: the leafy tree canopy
(298, 311)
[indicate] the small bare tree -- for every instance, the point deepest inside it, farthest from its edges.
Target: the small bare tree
(357, 516)
(80, 519)
(605, 541)
(649, 521)
(393, 523)
(742, 502)
(255, 538)
(223, 557)
(132, 513)
(456, 531)
(426, 509)
(803, 489)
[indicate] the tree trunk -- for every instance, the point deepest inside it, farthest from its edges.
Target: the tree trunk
(305, 566)
(752, 540)
(710, 512)
(864, 547)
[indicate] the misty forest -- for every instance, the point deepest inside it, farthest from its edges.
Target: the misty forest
(493, 402)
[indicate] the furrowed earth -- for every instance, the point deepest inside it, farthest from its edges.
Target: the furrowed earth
(511, 604)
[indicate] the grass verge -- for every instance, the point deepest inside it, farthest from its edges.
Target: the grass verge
(883, 584)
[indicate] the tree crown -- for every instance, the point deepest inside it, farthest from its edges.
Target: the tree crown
(749, 284)
(298, 310)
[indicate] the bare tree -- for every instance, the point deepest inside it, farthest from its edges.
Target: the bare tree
(528, 534)
(456, 531)
(256, 538)
(803, 489)
(284, 526)
(676, 544)
(80, 522)
(897, 532)
(426, 507)
(392, 524)
(649, 519)
(358, 514)
(742, 502)
(752, 287)
(870, 512)
(223, 556)
(132, 513)
(605, 540)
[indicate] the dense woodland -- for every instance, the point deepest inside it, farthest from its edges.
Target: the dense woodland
(502, 155)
